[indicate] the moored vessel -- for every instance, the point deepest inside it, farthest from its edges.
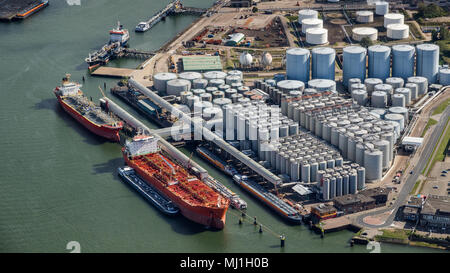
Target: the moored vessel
(216, 161)
(196, 201)
(91, 116)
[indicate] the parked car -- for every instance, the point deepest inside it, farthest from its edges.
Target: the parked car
(435, 187)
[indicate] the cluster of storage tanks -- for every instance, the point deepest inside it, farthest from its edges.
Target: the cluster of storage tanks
(312, 27)
(424, 58)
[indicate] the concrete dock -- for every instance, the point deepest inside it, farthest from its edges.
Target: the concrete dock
(113, 72)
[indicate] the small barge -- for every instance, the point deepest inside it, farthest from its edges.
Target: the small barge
(216, 161)
(164, 205)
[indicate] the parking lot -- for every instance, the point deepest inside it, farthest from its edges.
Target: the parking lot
(439, 179)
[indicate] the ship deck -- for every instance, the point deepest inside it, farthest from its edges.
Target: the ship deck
(89, 110)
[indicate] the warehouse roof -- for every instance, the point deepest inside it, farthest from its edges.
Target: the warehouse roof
(435, 204)
(302, 190)
(350, 199)
(202, 63)
(415, 141)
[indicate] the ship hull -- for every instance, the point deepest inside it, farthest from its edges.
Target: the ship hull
(108, 132)
(207, 216)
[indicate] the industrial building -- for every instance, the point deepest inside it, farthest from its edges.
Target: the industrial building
(352, 203)
(202, 63)
(323, 211)
(435, 212)
(241, 3)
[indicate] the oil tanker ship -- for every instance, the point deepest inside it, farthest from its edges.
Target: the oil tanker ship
(91, 116)
(196, 201)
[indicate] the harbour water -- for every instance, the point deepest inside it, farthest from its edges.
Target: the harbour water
(58, 182)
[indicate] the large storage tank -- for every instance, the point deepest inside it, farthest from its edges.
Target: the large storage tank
(190, 76)
(211, 75)
(398, 31)
(427, 62)
(379, 99)
(381, 8)
(297, 64)
(354, 63)
(403, 61)
(406, 92)
(396, 118)
(364, 32)
(393, 18)
(311, 23)
(175, 87)
(364, 16)
(199, 84)
(317, 36)
(266, 60)
(373, 163)
(379, 61)
(307, 14)
(444, 76)
(322, 85)
(398, 100)
(289, 85)
(370, 84)
(422, 84)
(360, 96)
(323, 63)
(160, 80)
(246, 59)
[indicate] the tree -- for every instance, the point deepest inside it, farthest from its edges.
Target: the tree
(366, 42)
(434, 35)
(444, 34)
(254, 9)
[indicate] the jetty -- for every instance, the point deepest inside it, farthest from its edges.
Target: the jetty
(113, 72)
(156, 18)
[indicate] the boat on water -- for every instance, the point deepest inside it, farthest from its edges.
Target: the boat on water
(142, 27)
(32, 10)
(216, 161)
(275, 203)
(119, 34)
(91, 116)
(196, 201)
(163, 204)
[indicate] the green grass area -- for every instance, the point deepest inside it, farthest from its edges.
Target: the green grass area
(413, 191)
(292, 18)
(440, 153)
(430, 123)
(444, 49)
(441, 107)
(416, 32)
(399, 234)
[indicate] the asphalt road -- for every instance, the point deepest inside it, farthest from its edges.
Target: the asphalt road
(411, 180)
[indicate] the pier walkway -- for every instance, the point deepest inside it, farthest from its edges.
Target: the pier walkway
(113, 72)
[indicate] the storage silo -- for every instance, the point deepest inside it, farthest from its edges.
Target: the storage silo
(323, 63)
(326, 189)
(358, 33)
(184, 95)
(216, 82)
(414, 90)
(364, 16)
(338, 185)
(353, 182)
(444, 76)
(379, 61)
(381, 8)
(384, 146)
(353, 81)
(317, 36)
(297, 64)
(358, 86)
(398, 100)
(307, 14)
(395, 82)
(232, 79)
(406, 92)
(160, 81)
(345, 183)
(332, 187)
(373, 163)
(393, 18)
(199, 84)
(360, 96)
(305, 171)
(378, 99)
(398, 31)
(370, 84)
(427, 62)
(190, 76)
(396, 118)
(422, 84)
(361, 178)
(400, 110)
(175, 87)
(211, 75)
(322, 85)
(354, 63)
(311, 23)
(403, 61)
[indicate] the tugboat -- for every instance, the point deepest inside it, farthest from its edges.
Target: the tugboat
(142, 27)
(119, 34)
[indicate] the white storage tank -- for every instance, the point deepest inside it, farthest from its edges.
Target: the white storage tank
(311, 23)
(427, 62)
(381, 8)
(422, 84)
(160, 81)
(379, 99)
(199, 84)
(373, 163)
(444, 76)
(398, 100)
(317, 36)
(358, 33)
(396, 118)
(364, 16)
(379, 61)
(289, 85)
(323, 63)
(322, 85)
(354, 63)
(307, 14)
(414, 90)
(395, 82)
(266, 59)
(190, 76)
(297, 64)
(403, 61)
(398, 31)
(406, 92)
(246, 59)
(370, 84)
(175, 87)
(236, 73)
(211, 75)
(393, 18)
(360, 96)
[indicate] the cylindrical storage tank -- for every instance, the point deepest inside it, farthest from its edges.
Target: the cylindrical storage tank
(332, 187)
(393, 18)
(361, 178)
(212, 113)
(311, 23)
(322, 85)
(211, 89)
(358, 33)
(326, 189)
(396, 118)
(175, 87)
(200, 106)
(401, 111)
(338, 185)
(230, 92)
(384, 146)
(359, 154)
(354, 63)
(356, 86)
(190, 100)
(236, 97)
(427, 62)
(370, 84)
(184, 95)
(297, 64)
(295, 171)
(314, 167)
(224, 87)
(218, 94)
(373, 163)
(323, 63)
(414, 90)
(317, 36)
(235, 73)
(232, 79)
(398, 100)
(190, 76)
(198, 92)
(360, 96)
(395, 82)
(398, 31)
(422, 84)
(406, 92)
(206, 97)
(199, 84)
(305, 172)
(381, 8)
(444, 76)
(386, 88)
(334, 136)
(160, 81)
(307, 14)
(345, 183)
(403, 61)
(221, 102)
(379, 113)
(353, 182)
(364, 16)
(379, 99)
(379, 61)
(212, 75)
(290, 85)
(216, 82)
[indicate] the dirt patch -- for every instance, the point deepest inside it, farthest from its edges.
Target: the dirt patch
(338, 22)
